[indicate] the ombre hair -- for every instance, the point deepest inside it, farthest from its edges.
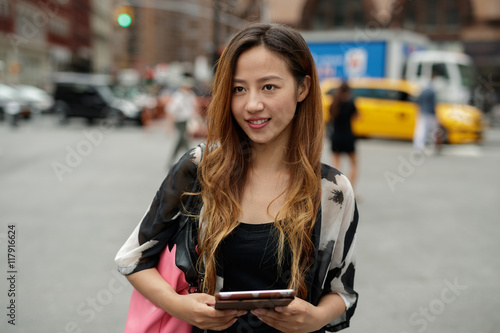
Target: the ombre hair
(223, 169)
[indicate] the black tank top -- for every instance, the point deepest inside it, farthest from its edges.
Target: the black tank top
(248, 258)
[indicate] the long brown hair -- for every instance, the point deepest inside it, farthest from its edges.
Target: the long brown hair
(339, 96)
(224, 167)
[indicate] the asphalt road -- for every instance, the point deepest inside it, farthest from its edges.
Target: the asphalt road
(428, 236)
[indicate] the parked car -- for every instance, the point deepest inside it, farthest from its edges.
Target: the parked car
(12, 107)
(37, 99)
(386, 108)
(90, 96)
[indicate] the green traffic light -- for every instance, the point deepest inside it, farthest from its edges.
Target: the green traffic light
(124, 20)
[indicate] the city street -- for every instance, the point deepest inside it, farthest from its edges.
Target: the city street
(428, 235)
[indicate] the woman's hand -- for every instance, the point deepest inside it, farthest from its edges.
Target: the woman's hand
(296, 317)
(195, 309)
(300, 316)
(198, 310)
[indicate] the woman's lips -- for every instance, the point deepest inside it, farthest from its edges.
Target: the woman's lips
(258, 123)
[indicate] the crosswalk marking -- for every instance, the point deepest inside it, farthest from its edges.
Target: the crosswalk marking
(463, 150)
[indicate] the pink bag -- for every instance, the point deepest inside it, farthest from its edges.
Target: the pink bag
(144, 316)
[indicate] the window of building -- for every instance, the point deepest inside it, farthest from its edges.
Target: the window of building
(452, 15)
(30, 23)
(320, 15)
(467, 14)
(431, 9)
(4, 8)
(339, 13)
(356, 13)
(410, 16)
(59, 27)
(30, 72)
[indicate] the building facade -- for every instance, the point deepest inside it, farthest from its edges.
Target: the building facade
(334, 14)
(179, 31)
(24, 31)
(38, 37)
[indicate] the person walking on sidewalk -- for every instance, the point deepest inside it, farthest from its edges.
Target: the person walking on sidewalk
(427, 129)
(182, 107)
(342, 139)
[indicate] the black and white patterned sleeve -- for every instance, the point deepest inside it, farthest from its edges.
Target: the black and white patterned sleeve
(339, 224)
(143, 248)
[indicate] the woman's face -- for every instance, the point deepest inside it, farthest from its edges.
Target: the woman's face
(265, 96)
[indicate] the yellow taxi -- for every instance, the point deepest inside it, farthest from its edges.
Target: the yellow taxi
(386, 108)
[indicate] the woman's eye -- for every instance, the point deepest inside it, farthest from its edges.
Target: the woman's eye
(238, 89)
(268, 87)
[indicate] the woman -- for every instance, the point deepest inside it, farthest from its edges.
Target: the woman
(271, 215)
(342, 111)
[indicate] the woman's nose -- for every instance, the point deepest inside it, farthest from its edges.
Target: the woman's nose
(254, 102)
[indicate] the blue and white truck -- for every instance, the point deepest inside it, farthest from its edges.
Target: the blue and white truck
(392, 54)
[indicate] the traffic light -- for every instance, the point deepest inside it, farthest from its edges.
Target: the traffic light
(124, 15)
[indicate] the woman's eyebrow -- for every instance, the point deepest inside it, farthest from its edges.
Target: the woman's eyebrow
(262, 79)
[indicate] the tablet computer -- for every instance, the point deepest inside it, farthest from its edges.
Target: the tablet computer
(253, 299)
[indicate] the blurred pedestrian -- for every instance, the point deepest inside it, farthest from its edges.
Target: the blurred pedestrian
(269, 214)
(343, 141)
(426, 128)
(182, 107)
